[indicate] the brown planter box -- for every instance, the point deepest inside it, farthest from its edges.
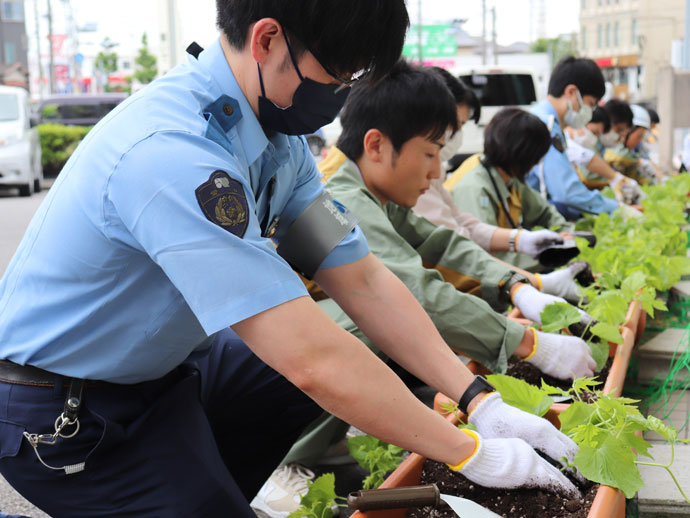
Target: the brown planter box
(608, 503)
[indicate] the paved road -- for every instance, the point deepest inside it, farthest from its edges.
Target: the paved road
(15, 214)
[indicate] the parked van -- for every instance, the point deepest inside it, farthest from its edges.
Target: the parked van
(20, 146)
(496, 88)
(77, 110)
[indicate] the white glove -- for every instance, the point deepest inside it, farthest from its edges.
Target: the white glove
(647, 168)
(629, 212)
(512, 463)
(561, 283)
(495, 419)
(535, 242)
(531, 302)
(563, 357)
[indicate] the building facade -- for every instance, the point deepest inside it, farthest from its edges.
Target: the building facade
(630, 40)
(13, 44)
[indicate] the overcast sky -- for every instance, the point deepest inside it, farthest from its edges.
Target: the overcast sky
(126, 19)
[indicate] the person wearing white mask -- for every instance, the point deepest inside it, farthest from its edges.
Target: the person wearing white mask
(575, 86)
(628, 157)
(585, 151)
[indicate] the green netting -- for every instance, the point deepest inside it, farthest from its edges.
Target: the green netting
(666, 391)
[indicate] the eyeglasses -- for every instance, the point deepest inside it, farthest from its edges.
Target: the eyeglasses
(344, 83)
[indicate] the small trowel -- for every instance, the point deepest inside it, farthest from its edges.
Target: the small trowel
(415, 496)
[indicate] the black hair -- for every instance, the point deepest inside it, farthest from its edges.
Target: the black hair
(619, 111)
(600, 115)
(463, 94)
(515, 141)
(409, 102)
(581, 72)
(653, 115)
(344, 35)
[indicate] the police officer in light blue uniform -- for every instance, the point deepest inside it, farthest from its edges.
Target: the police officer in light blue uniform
(120, 382)
(123, 391)
(575, 86)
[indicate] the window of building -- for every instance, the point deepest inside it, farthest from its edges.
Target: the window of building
(600, 33)
(584, 38)
(634, 31)
(12, 10)
(584, 4)
(10, 53)
(608, 35)
(617, 35)
(600, 2)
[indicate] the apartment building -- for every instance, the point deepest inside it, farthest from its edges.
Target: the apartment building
(630, 40)
(13, 44)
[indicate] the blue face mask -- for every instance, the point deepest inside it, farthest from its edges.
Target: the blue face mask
(313, 105)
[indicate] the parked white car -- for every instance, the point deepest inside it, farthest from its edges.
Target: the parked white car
(20, 145)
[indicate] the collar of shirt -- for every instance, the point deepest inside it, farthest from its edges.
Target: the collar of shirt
(349, 173)
(254, 140)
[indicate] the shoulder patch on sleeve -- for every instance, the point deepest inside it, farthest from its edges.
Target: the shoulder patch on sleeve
(223, 202)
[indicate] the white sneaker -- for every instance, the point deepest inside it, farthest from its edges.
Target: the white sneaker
(281, 493)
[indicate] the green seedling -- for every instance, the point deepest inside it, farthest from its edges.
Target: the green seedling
(319, 500)
(376, 456)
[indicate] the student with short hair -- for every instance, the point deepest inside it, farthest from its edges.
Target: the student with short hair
(494, 191)
(392, 136)
(575, 86)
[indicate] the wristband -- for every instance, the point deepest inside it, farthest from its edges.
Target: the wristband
(478, 385)
(534, 348)
(458, 467)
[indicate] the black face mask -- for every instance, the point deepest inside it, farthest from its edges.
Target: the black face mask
(313, 105)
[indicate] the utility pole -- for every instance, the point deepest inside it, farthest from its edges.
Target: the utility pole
(494, 46)
(483, 32)
(686, 41)
(50, 46)
(419, 32)
(172, 32)
(38, 51)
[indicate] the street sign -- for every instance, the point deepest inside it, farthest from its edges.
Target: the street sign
(79, 58)
(437, 41)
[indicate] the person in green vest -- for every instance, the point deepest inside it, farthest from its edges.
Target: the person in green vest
(495, 192)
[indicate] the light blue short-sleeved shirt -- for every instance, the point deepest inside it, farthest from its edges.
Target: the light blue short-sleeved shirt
(151, 239)
(563, 185)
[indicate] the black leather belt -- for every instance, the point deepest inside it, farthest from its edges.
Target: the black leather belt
(14, 373)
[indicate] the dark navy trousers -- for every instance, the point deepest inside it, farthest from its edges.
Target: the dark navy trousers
(199, 442)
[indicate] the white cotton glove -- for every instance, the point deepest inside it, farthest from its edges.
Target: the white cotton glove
(535, 242)
(626, 189)
(648, 168)
(561, 283)
(512, 463)
(563, 357)
(629, 212)
(531, 302)
(495, 419)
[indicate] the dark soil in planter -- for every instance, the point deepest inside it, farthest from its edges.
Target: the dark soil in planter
(529, 373)
(516, 503)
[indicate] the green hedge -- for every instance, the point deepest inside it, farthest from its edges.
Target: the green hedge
(58, 142)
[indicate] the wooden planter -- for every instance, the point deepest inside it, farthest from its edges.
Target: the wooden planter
(608, 502)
